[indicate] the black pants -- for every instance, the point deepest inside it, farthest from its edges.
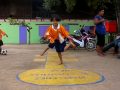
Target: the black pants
(100, 40)
(107, 47)
(112, 44)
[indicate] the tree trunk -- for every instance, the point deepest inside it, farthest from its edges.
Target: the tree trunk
(118, 14)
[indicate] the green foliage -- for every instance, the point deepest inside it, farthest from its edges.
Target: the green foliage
(108, 5)
(70, 4)
(15, 22)
(48, 4)
(12, 21)
(94, 4)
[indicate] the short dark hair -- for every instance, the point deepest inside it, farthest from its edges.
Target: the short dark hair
(56, 17)
(99, 9)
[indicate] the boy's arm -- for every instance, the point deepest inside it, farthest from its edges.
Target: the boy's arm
(47, 35)
(4, 34)
(65, 32)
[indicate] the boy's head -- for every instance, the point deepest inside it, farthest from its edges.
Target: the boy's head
(55, 19)
(101, 11)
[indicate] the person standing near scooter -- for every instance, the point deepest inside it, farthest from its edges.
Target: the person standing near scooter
(100, 31)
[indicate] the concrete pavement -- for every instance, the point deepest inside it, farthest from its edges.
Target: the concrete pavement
(21, 58)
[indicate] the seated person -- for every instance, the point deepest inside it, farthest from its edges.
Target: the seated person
(115, 44)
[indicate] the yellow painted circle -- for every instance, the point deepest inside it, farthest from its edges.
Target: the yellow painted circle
(59, 77)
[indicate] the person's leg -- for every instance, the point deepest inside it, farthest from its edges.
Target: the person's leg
(70, 44)
(60, 57)
(66, 47)
(102, 50)
(107, 47)
(118, 50)
(51, 45)
(44, 51)
(98, 49)
(59, 49)
(1, 43)
(0, 49)
(116, 47)
(100, 45)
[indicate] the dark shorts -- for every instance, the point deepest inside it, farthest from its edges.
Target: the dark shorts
(1, 42)
(58, 46)
(100, 40)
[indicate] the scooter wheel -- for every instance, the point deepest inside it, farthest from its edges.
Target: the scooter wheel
(90, 45)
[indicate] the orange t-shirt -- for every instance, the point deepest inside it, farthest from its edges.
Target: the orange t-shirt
(53, 34)
(1, 34)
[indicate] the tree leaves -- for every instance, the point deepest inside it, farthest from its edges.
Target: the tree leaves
(94, 4)
(70, 4)
(48, 4)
